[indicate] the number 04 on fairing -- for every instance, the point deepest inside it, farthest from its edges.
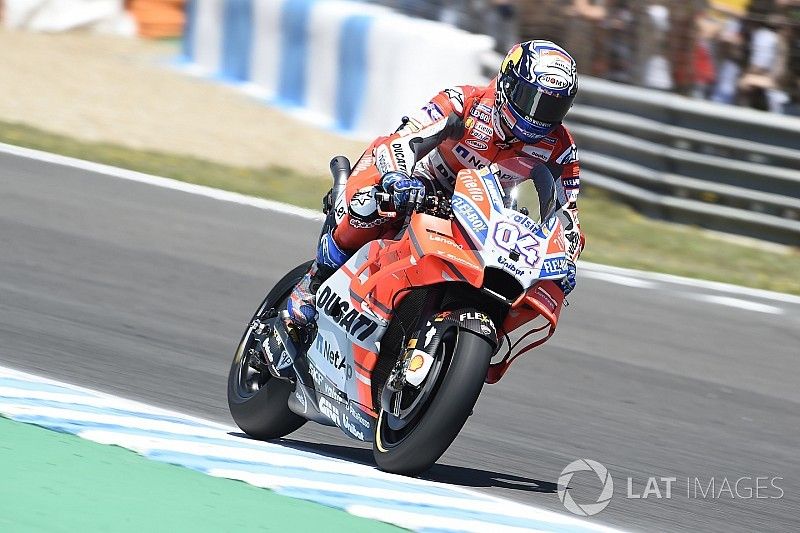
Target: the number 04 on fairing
(410, 329)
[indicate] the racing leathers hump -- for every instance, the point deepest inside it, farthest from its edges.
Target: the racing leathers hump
(457, 129)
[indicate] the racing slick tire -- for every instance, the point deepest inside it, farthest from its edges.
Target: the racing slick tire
(257, 401)
(416, 447)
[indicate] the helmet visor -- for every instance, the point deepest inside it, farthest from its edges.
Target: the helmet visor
(538, 106)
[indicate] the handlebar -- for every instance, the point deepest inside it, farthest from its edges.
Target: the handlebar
(340, 170)
(436, 204)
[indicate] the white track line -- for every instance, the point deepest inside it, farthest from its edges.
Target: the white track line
(692, 282)
(616, 278)
(308, 214)
(166, 183)
(736, 302)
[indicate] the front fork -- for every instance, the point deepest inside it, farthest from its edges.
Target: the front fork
(414, 365)
(414, 362)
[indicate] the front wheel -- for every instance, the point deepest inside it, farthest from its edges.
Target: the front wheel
(413, 448)
(259, 402)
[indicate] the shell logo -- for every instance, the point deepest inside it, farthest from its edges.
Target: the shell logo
(416, 363)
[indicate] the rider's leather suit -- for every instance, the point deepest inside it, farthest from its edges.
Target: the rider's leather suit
(457, 129)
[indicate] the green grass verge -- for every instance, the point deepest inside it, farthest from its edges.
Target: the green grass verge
(58, 482)
(616, 234)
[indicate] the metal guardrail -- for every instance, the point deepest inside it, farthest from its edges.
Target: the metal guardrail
(721, 167)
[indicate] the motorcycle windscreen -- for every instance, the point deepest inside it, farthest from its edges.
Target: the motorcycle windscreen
(517, 174)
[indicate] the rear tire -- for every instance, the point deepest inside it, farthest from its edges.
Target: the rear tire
(257, 401)
(446, 413)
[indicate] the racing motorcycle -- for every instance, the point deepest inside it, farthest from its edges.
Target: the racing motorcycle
(410, 329)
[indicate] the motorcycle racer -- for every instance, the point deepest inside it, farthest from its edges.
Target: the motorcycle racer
(519, 113)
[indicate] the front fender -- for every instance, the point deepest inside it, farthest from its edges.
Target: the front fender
(467, 318)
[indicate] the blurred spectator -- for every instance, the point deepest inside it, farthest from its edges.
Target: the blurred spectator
(585, 34)
(545, 19)
(682, 38)
(762, 85)
(655, 70)
(728, 46)
(619, 33)
(792, 17)
(501, 24)
(704, 68)
(728, 51)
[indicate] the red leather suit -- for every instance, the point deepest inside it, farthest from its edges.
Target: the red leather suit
(460, 129)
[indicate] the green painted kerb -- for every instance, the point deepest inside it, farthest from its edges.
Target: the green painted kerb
(51, 481)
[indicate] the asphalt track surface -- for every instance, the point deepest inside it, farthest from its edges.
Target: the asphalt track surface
(143, 291)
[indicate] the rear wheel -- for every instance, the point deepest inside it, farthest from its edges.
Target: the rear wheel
(435, 413)
(257, 401)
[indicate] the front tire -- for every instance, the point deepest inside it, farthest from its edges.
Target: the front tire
(416, 449)
(257, 401)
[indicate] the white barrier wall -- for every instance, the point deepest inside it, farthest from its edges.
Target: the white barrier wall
(265, 57)
(347, 65)
(326, 30)
(410, 60)
(207, 35)
(104, 16)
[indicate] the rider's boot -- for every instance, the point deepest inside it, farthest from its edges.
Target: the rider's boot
(300, 307)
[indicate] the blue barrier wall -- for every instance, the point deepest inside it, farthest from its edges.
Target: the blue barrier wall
(353, 76)
(237, 39)
(294, 51)
(190, 26)
(350, 66)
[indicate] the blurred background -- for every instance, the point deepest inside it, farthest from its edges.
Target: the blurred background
(685, 119)
(743, 52)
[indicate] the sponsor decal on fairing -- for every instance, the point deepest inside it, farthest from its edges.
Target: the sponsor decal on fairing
(339, 309)
(300, 394)
(509, 265)
(323, 385)
(510, 237)
(334, 357)
(329, 410)
(553, 267)
(419, 364)
(492, 182)
(470, 217)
